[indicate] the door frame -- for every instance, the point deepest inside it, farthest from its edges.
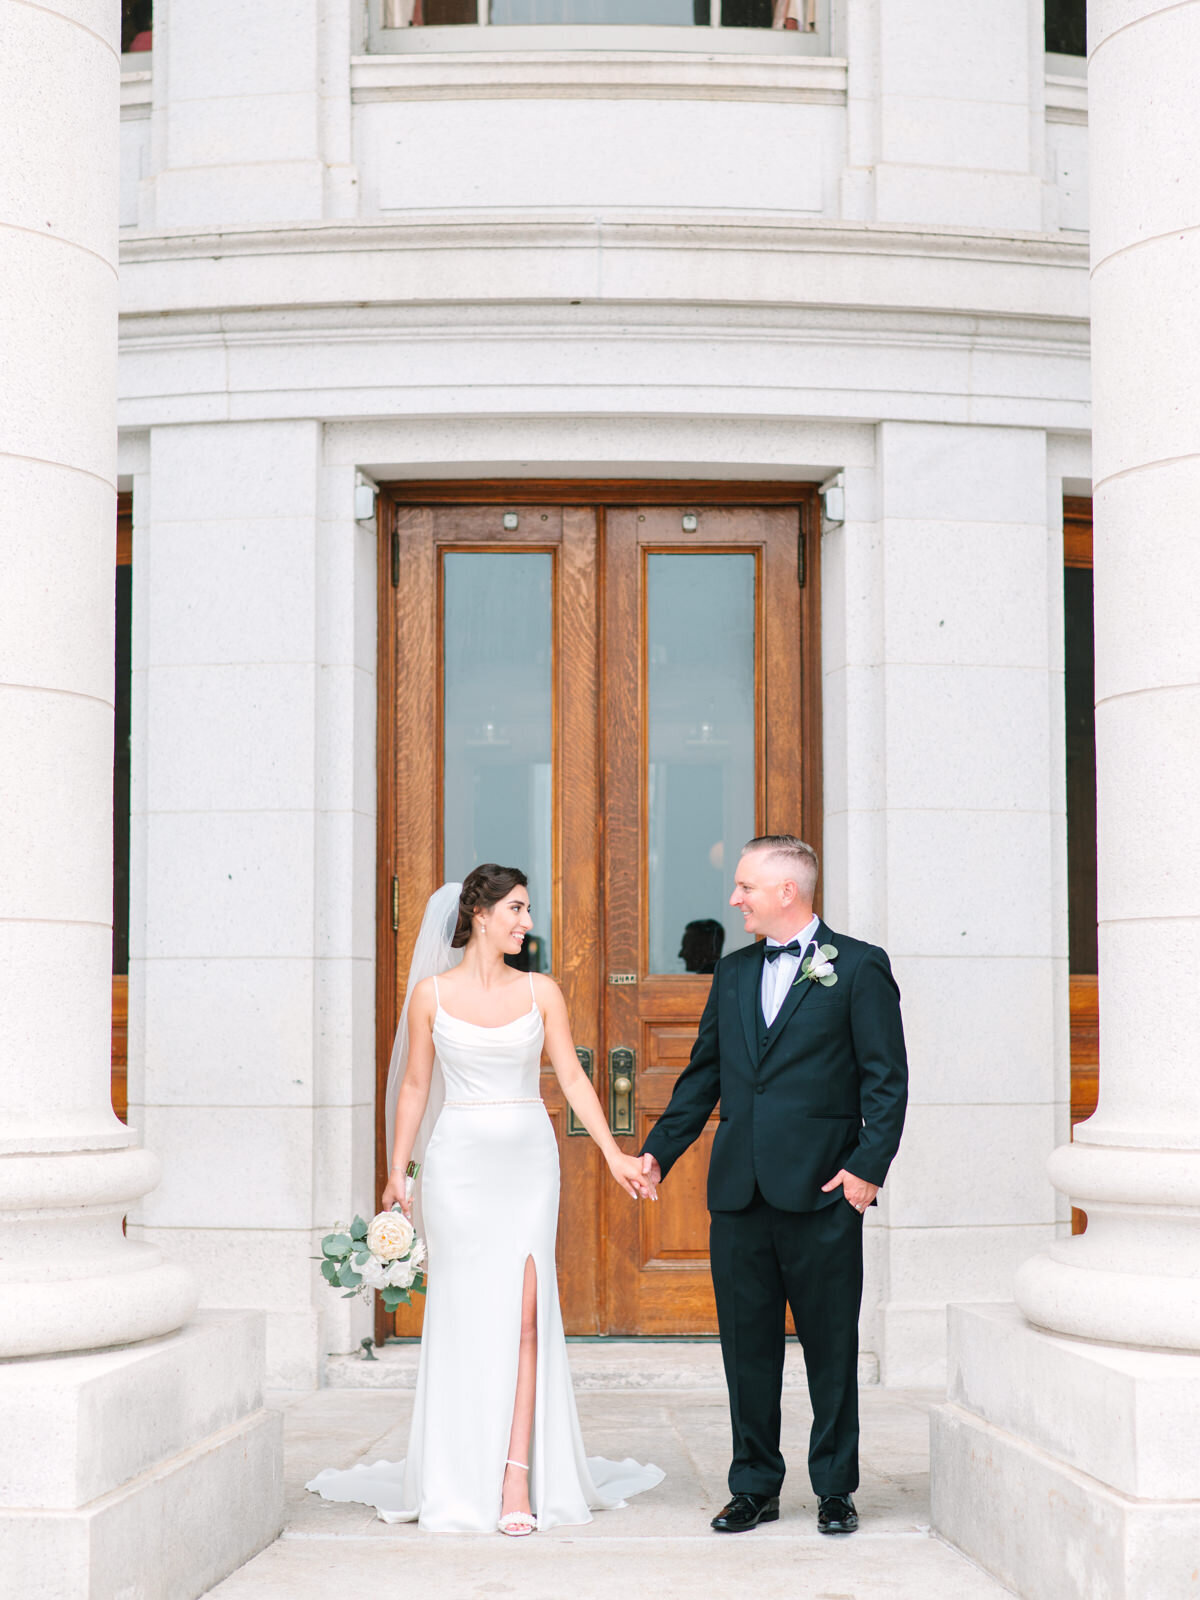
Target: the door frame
(591, 492)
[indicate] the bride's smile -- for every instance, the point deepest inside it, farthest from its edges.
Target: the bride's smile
(503, 927)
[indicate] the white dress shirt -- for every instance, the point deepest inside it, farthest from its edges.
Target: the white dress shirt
(779, 975)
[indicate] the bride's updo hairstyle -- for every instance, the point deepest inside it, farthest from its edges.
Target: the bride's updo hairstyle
(482, 889)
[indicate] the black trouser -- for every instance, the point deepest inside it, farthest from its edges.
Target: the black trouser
(764, 1260)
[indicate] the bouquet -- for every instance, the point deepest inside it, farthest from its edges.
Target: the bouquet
(383, 1254)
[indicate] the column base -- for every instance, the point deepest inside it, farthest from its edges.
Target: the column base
(1066, 1467)
(149, 1470)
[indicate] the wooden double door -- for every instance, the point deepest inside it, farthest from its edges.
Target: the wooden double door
(612, 686)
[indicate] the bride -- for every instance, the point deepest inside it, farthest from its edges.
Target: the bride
(495, 1438)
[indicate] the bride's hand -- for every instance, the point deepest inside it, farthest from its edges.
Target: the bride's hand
(393, 1195)
(627, 1170)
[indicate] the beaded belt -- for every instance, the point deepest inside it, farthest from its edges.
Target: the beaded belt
(535, 1101)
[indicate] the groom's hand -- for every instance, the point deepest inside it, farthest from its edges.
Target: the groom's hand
(652, 1173)
(858, 1191)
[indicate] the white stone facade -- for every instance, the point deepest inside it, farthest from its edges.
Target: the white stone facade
(620, 261)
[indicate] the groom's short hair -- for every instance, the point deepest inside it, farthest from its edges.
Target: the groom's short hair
(798, 858)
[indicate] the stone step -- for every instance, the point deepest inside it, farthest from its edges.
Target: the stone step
(596, 1364)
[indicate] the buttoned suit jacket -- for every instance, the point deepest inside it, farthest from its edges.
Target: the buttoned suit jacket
(824, 1087)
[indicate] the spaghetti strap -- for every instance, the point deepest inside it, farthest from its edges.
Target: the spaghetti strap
(532, 991)
(436, 994)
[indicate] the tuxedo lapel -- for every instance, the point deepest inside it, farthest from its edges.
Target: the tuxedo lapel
(796, 995)
(749, 981)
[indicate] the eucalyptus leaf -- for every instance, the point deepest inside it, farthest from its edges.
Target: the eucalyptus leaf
(358, 1229)
(829, 951)
(347, 1277)
(336, 1244)
(828, 983)
(361, 1257)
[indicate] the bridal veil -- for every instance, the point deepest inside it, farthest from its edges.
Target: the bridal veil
(432, 955)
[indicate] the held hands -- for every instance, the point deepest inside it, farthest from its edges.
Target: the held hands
(858, 1191)
(631, 1175)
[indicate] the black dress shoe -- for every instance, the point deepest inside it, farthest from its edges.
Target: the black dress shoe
(747, 1511)
(836, 1514)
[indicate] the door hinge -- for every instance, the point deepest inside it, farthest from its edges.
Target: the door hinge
(395, 558)
(395, 905)
(800, 573)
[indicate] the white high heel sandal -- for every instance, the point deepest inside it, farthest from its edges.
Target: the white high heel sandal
(517, 1524)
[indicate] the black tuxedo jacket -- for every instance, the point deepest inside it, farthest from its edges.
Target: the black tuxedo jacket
(825, 1087)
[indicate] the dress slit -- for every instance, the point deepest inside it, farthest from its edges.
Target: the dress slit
(526, 1451)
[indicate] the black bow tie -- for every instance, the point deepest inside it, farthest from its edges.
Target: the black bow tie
(792, 948)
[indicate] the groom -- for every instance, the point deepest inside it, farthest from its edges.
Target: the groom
(805, 1051)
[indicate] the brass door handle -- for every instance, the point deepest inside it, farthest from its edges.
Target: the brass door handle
(574, 1126)
(620, 1090)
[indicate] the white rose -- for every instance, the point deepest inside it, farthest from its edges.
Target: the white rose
(373, 1273)
(400, 1275)
(820, 967)
(390, 1235)
(417, 1253)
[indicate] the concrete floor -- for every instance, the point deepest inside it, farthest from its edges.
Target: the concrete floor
(659, 1548)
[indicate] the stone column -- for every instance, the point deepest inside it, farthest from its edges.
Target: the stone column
(941, 811)
(68, 1169)
(1134, 1276)
(1097, 1415)
(252, 975)
(148, 1466)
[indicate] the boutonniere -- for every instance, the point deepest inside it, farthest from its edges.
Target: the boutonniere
(818, 967)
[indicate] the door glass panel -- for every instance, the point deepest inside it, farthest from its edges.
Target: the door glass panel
(701, 752)
(497, 731)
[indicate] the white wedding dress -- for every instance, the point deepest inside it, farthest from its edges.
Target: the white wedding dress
(490, 1202)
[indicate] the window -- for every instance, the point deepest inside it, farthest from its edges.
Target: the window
(121, 744)
(1066, 27)
(137, 21)
(1079, 641)
(796, 16)
(1080, 686)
